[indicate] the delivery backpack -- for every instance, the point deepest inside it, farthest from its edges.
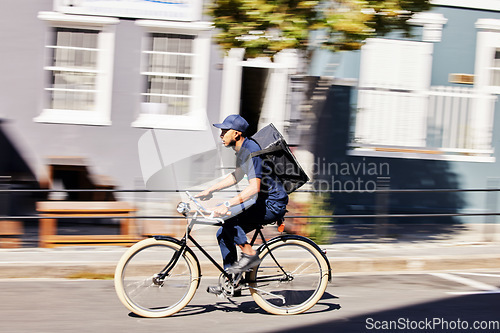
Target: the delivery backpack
(277, 154)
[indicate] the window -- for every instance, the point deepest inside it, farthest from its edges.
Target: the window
(169, 74)
(79, 69)
(74, 69)
(175, 75)
(391, 106)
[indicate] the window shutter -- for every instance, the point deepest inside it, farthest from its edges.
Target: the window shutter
(391, 106)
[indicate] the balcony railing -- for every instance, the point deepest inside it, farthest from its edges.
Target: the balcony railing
(444, 122)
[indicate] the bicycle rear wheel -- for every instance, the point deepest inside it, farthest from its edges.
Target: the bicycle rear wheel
(138, 287)
(292, 283)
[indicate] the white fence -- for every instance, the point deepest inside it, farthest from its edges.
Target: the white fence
(460, 118)
(446, 119)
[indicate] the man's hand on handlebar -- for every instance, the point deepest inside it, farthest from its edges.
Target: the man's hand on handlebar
(204, 195)
(217, 211)
(220, 211)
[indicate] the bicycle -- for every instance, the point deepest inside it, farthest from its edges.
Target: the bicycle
(158, 276)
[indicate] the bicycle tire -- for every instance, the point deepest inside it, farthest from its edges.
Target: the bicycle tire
(134, 275)
(308, 272)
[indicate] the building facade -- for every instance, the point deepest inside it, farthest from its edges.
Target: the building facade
(128, 89)
(83, 81)
(418, 113)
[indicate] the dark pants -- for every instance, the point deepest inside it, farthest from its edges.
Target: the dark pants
(235, 228)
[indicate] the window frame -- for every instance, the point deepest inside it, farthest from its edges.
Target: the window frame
(105, 26)
(488, 42)
(196, 118)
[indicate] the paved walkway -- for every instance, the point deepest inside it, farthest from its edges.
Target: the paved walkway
(469, 247)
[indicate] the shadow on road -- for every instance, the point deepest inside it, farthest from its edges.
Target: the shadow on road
(231, 305)
(324, 305)
(457, 314)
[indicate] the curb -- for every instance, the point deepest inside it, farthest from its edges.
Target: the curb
(339, 265)
(414, 264)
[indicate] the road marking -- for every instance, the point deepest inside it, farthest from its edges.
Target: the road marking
(485, 288)
(479, 274)
(473, 292)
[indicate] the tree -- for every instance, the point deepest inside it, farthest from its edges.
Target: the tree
(264, 28)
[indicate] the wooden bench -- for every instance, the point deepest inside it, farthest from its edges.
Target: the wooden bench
(10, 234)
(52, 210)
(173, 228)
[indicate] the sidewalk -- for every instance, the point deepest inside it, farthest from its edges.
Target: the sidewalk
(350, 253)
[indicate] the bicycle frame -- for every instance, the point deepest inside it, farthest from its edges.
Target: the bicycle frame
(200, 218)
(187, 236)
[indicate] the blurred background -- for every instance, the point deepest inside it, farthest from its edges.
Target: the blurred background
(106, 108)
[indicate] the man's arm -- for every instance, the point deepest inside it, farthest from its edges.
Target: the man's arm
(228, 181)
(248, 192)
(252, 189)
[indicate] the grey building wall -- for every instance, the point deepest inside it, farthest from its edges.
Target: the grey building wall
(111, 150)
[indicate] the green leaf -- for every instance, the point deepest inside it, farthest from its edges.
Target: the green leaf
(287, 23)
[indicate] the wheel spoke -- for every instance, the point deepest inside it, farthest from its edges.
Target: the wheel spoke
(135, 278)
(138, 287)
(302, 267)
(303, 283)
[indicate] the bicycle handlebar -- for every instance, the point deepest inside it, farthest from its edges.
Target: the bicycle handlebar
(202, 209)
(196, 202)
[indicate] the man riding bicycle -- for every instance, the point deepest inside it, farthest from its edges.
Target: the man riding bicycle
(263, 201)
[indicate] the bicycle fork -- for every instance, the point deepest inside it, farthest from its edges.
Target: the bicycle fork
(159, 278)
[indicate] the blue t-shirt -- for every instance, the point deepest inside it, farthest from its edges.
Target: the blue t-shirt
(271, 187)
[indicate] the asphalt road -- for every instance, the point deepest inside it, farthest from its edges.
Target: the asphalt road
(424, 302)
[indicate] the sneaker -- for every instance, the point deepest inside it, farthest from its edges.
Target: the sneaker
(245, 263)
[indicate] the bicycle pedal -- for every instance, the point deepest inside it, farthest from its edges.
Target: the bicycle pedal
(237, 293)
(215, 290)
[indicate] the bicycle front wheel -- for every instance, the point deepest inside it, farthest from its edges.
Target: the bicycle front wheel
(138, 286)
(291, 282)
